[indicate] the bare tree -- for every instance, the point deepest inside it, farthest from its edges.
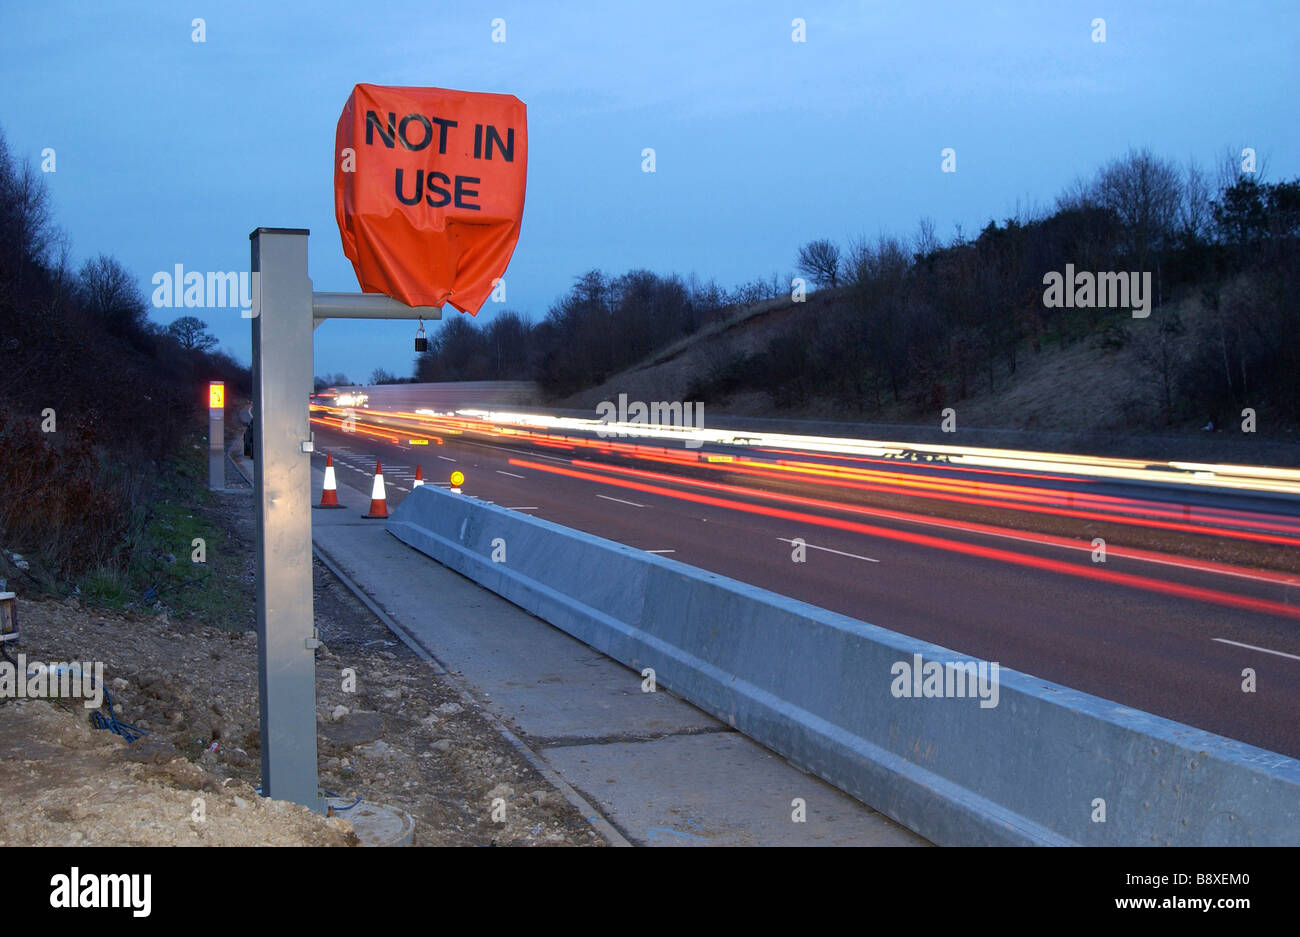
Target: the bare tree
(1144, 192)
(1194, 213)
(111, 294)
(1230, 171)
(820, 262)
(192, 334)
(925, 242)
(1080, 194)
(507, 342)
(1161, 347)
(27, 232)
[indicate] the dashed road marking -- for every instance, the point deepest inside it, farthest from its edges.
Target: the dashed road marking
(1252, 647)
(621, 501)
(812, 546)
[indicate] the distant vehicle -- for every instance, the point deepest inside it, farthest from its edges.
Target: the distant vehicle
(333, 397)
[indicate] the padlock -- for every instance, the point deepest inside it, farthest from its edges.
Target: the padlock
(421, 342)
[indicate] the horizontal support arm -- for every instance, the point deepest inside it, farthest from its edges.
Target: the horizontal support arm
(367, 306)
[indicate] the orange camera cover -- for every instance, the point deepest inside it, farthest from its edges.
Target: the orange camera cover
(429, 191)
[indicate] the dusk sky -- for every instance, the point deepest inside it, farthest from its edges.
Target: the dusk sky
(170, 151)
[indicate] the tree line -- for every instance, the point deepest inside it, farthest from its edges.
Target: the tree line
(93, 395)
(924, 323)
(603, 325)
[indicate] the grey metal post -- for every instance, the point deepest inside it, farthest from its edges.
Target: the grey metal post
(216, 435)
(282, 383)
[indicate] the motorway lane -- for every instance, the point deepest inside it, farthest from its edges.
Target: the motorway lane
(1161, 653)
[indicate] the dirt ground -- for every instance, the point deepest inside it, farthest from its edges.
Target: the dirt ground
(390, 731)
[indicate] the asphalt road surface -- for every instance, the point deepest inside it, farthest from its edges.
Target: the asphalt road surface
(1198, 589)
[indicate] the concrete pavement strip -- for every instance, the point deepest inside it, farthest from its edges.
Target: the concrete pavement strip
(651, 769)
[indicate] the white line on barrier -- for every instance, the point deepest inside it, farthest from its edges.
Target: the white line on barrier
(511, 474)
(1254, 648)
(812, 546)
(621, 501)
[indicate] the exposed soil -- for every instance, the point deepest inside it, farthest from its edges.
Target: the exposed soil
(391, 731)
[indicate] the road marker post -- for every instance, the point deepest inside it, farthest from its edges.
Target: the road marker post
(216, 435)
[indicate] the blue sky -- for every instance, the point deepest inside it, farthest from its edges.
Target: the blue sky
(170, 151)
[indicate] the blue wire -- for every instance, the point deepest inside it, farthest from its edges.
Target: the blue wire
(113, 724)
(131, 733)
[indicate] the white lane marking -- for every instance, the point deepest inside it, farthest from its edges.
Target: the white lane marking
(531, 455)
(661, 551)
(1254, 648)
(401, 488)
(621, 501)
(1112, 552)
(446, 459)
(511, 474)
(533, 508)
(813, 546)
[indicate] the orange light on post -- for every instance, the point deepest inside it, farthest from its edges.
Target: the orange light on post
(216, 435)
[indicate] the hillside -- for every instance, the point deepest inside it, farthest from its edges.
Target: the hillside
(1101, 393)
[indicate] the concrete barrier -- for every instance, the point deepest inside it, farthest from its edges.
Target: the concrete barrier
(448, 395)
(1042, 765)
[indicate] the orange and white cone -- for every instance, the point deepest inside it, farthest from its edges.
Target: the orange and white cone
(419, 478)
(329, 497)
(378, 500)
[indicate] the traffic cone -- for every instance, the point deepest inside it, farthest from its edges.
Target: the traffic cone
(329, 493)
(419, 478)
(378, 500)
